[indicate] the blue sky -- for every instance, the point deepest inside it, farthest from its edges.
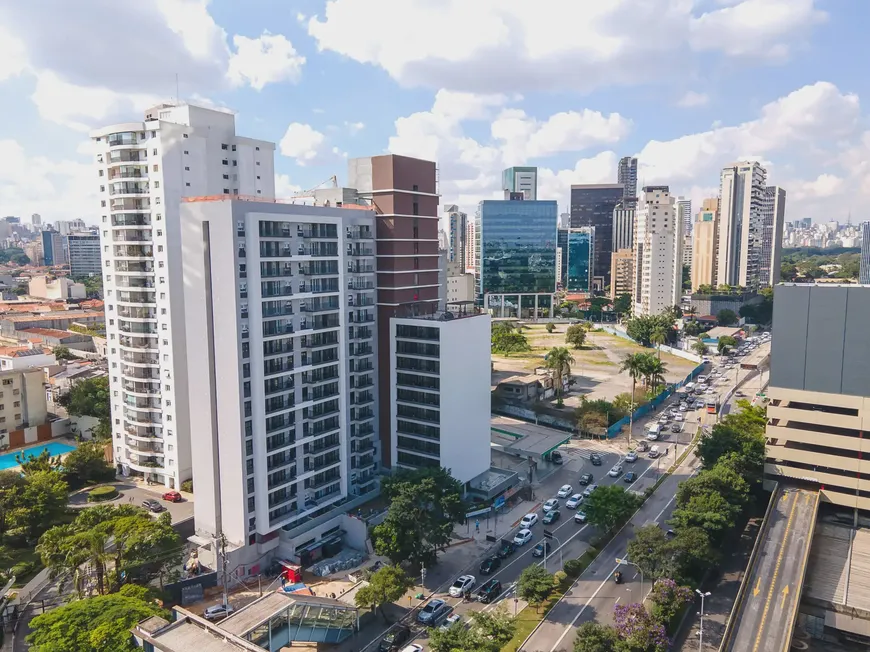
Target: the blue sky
(686, 85)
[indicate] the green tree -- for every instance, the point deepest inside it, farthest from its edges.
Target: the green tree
(659, 336)
(653, 370)
(425, 505)
(35, 463)
(622, 304)
(99, 624)
(550, 327)
(592, 423)
(496, 628)
(595, 637)
(89, 397)
(700, 348)
(726, 317)
(725, 342)
(642, 327)
(456, 638)
(668, 599)
(507, 342)
(559, 361)
(43, 502)
(87, 465)
(633, 364)
(647, 550)
(623, 404)
(63, 353)
(608, 506)
(740, 432)
(11, 486)
(387, 584)
(710, 512)
(535, 584)
(576, 336)
(689, 554)
(721, 479)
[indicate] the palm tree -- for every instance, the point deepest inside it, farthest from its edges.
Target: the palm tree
(700, 348)
(658, 337)
(655, 372)
(559, 360)
(634, 365)
(691, 311)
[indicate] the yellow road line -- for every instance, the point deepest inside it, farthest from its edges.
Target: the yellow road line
(770, 593)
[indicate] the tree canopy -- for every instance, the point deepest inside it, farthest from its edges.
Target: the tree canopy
(726, 317)
(488, 632)
(387, 584)
(642, 327)
(609, 505)
(575, 335)
(87, 465)
(425, 505)
(507, 339)
(535, 584)
(89, 397)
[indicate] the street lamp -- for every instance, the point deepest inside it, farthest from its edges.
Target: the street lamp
(701, 630)
(631, 563)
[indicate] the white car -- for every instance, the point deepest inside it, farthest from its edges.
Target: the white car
(217, 612)
(589, 490)
(461, 585)
(550, 505)
(574, 501)
(679, 417)
(565, 491)
(616, 471)
(528, 521)
(653, 436)
(452, 619)
(413, 647)
(631, 456)
(523, 537)
(580, 517)
(684, 408)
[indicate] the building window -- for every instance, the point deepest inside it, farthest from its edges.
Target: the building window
(235, 162)
(186, 152)
(159, 216)
(103, 203)
(257, 148)
(157, 200)
(415, 208)
(185, 136)
(225, 162)
(258, 176)
(187, 184)
(187, 168)
(223, 146)
(100, 173)
(226, 191)
(259, 192)
(156, 184)
(156, 168)
(258, 162)
(226, 176)
(234, 148)
(155, 152)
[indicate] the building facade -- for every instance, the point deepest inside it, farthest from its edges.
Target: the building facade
(627, 176)
(593, 205)
(457, 232)
(658, 257)
(621, 273)
(741, 222)
(521, 179)
(516, 270)
(58, 288)
(581, 253)
(22, 400)
(864, 271)
(705, 244)
(144, 171)
(84, 254)
(819, 391)
(436, 421)
(623, 226)
(684, 214)
(470, 254)
(53, 252)
(773, 216)
(281, 313)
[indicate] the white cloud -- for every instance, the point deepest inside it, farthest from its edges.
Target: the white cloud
(825, 185)
(13, 55)
(264, 60)
(308, 146)
(283, 187)
(693, 99)
(499, 46)
(354, 127)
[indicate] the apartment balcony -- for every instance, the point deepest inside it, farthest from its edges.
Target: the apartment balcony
(360, 333)
(275, 250)
(361, 414)
(277, 311)
(129, 204)
(127, 156)
(366, 463)
(360, 367)
(318, 376)
(128, 172)
(136, 283)
(124, 188)
(138, 298)
(278, 347)
(362, 317)
(319, 306)
(317, 231)
(149, 465)
(276, 270)
(275, 443)
(362, 383)
(281, 499)
(141, 388)
(320, 393)
(277, 328)
(281, 478)
(318, 270)
(364, 398)
(279, 461)
(134, 267)
(356, 267)
(279, 404)
(316, 483)
(125, 139)
(362, 431)
(359, 233)
(137, 328)
(327, 356)
(140, 358)
(317, 466)
(360, 301)
(357, 284)
(146, 433)
(145, 447)
(131, 236)
(361, 350)
(133, 252)
(140, 373)
(274, 230)
(278, 385)
(137, 313)
(272, 289)
(357, 250)
(131, 220)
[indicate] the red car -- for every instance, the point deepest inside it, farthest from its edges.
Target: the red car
(172, 497)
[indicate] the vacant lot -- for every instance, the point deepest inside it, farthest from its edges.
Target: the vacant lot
(596, 365)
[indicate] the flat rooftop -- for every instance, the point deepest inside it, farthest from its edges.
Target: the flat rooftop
(521, 438)
(839, 568)
(262, 609)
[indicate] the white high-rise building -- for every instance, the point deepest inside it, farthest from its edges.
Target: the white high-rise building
(280, 319)
(627, 175)
(773, 215)
(145, 169)
(684, 214)
(658, 259)
(457, 232)
(470, 256)
(741, 224)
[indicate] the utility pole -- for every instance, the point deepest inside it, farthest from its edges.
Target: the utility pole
(222, 554)
(422, 575)
(701, 629)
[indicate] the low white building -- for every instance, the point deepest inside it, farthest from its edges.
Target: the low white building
(440, 393)
(60, 288)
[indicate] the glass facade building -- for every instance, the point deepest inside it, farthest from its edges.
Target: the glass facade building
(517, 247)
(581, 251)
(592, 205)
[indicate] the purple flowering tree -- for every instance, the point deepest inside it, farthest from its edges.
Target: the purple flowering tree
(668, 600)
(638, 629)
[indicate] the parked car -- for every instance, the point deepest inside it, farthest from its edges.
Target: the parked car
(616, 471)
(589, 490)
(565, 490)
(172, 497)
(489, 591)
(550, 505)
(642, 446)
(541, 549)
(462, 584)
(434, 613)
(580, 517)
(551, 517)
(413, 647)
(556, 457)
(595, 458)
(506, 550)
(630, 457)
(523, 537)
(152, 505)
(528, 520)
(217, 612)
(450, 621)
(678, 418)
(489, 565)
(630, 477)
(574, 501)
(585, 479)
(394, 638)
(654, 452)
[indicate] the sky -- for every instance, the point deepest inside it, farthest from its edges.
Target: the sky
(687, 86)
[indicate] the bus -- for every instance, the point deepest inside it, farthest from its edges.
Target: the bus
(712, 406)
(689, 387)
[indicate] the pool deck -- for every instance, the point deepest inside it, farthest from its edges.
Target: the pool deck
(12, 452)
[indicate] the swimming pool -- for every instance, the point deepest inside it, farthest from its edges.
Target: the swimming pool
(7, 460)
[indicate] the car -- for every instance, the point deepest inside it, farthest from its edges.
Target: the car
(172, 497)
(580, 517)
(506, 550)
(670, 534)
(701, 379)
(595, 458)
(574, 501)
(565, 490)
(683, 405)
(630, 477)
(528, 521)
(589, 490)
(523, 537)
(152, 505)
(462, 584)
(217, 612)
(489, 565)
(551, 517)
(556, 457)
(739, 393)
(678, 418)
(630, 457)
(616, 471)
(394, 638)
(705, 359)
(413, 647)
(541, 549)
(550, 505)
(489, 591)
(450, 621)
(654, 452)
(642, 446)
(434, 612)
(652, 435)
(586, 479)
(676, 427)
(683, 408)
